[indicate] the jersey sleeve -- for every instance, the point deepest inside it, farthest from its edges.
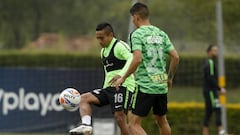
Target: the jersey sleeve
(168, 46)
(136, 41)
(122, 52)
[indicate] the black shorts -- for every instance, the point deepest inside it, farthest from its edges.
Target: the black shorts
(118, 99)
(143, 102)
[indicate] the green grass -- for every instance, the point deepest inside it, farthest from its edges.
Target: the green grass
(187, 94)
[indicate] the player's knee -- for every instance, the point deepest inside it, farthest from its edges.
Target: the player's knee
(84, 98)
(119, 117)
(133, 124)
(87, 98)
(161, 121)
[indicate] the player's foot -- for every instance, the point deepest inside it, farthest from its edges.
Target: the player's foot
(81, 130)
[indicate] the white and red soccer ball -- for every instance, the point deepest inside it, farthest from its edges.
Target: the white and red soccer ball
(70, 99)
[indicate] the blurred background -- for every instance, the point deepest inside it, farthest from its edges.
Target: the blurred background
(47, 46)
(69, 24)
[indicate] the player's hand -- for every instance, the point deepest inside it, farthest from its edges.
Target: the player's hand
(114, 79)
(118, 83)
(169, 82)
(223, 91)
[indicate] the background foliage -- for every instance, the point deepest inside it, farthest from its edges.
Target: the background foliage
(189, 70)
(190, 23)
(187, 120)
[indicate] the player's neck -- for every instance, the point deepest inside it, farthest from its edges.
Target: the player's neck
(212, 57)
(110, 41)
(144, 23)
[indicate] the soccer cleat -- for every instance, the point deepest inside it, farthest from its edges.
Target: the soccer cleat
(81, 130)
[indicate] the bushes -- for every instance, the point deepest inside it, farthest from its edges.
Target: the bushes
(186, 118)
(189, 71)
(19, 59)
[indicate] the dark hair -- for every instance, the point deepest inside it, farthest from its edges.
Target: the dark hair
(140, 9)
(105, 26)
(210, 47)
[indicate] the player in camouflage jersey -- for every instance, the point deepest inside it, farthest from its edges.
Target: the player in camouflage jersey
(150, 47)
(116, 58)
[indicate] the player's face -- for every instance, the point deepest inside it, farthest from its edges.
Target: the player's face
(214, 51)
(104, 38)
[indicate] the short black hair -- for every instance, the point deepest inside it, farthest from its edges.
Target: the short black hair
(209, 48)
(105, 26)
(141, 10)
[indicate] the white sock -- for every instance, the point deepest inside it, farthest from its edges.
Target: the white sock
(86, 120)
(222, 132)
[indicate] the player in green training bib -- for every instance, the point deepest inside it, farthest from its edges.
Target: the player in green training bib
(150, 47)
(116, 57)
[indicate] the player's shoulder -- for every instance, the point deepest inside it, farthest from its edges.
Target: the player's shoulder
(121, 42)
(148, 29)
(158, 30)
(162, 32)
(122, 45)
(139, 31)
(207, 62)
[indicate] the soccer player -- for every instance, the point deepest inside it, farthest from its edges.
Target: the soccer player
(116, 58)
(210, 90)
(150, 46)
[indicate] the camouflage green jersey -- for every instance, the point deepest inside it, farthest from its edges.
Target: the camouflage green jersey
(151, 75)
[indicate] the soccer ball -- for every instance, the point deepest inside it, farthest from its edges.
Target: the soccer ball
(70, 99)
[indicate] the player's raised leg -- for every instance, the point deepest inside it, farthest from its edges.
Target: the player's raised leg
(85, 112)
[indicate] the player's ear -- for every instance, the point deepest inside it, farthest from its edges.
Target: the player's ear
(137, 17)
(111, 34)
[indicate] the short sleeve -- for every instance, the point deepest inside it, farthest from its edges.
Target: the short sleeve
(168, 46)
(136, 41)
(122, 51)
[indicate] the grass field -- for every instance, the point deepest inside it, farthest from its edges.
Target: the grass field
(188, 94)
